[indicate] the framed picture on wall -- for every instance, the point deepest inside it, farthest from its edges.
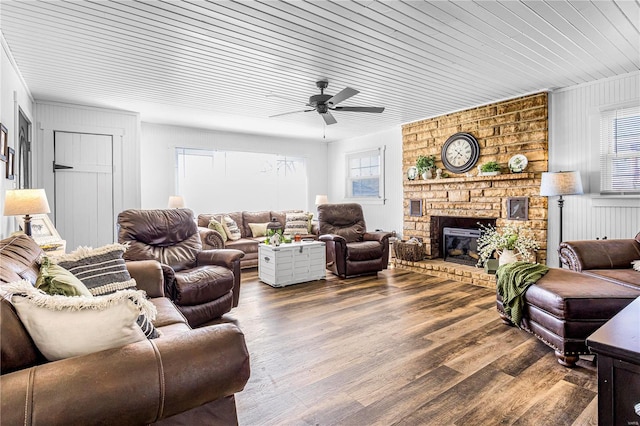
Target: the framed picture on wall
(42, 230)
(415, 207)
(518, 208)
(4, 143)
(11, 163)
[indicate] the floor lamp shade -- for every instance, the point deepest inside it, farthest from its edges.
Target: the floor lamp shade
(18, 202)
(560, 183)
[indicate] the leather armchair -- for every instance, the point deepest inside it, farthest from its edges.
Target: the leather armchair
(351, 250)
(204, 284)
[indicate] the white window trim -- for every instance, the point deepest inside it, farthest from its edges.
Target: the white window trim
(603, 199)
(380, 199)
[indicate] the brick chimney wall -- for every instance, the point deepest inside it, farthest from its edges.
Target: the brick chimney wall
(503, 129)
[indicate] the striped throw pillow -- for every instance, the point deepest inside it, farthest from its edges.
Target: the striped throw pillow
(297, 223)
(231, 228)
(102, 270)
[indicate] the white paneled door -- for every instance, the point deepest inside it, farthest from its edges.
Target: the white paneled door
(83, 170)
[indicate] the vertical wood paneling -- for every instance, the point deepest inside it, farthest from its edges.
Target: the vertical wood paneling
(574, 146)
(122, 125)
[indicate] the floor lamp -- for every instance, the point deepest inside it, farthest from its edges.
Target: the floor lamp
(560, 183)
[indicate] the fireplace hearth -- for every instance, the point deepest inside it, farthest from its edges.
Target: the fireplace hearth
(460, 245)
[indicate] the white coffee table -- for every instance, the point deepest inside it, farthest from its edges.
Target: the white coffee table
(291, 263)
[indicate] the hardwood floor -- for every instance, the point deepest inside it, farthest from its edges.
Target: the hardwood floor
(400, 348)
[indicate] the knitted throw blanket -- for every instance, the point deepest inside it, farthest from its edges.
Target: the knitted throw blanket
(513, 280)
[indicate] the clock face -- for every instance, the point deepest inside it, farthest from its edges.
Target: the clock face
(460, 152)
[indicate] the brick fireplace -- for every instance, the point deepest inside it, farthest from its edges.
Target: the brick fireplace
(516, 126)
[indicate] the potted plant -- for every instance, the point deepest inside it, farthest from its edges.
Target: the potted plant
(509, 242)
(425, 164)
(491, 168)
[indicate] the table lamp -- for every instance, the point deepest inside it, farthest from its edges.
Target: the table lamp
(560, 183)
(176, 202)
(321, 199)
(26, 202)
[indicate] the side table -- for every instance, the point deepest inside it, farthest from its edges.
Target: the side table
(617, 345)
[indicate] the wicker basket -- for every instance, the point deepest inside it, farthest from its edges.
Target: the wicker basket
(408, 251)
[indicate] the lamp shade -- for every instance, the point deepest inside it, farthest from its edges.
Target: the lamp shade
(560, 183)
(176, 202)
(19, 202)
(321, 199)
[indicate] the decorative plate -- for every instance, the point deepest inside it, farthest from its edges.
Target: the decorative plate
(412, 173)
(518, 163)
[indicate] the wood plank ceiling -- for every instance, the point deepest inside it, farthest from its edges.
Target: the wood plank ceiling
(232, 64)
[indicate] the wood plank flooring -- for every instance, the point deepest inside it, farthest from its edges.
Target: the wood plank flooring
(398, 349)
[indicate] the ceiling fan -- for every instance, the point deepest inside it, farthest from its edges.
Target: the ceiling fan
(324, 104)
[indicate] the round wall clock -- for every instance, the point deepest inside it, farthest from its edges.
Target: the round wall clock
(460, 152)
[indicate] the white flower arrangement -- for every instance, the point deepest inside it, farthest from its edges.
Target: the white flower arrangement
(510, 237)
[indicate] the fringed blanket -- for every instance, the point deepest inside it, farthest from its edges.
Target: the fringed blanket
(513, 280)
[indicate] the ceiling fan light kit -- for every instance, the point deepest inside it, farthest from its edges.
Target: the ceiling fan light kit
(324, 104)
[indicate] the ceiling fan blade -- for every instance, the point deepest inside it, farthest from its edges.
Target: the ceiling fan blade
(328, 118)
(292, 112)
(345, 93)
(359, 109)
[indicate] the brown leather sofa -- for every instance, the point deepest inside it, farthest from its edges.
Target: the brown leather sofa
(247, 243)
(565, 306)
(204, 284)
(183, 377)
(351, 250)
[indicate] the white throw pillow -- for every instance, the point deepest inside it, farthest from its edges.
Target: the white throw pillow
(63, 327)
(636, 265)
(231, 228)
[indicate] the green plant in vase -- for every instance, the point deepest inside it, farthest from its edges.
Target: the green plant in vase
(425, 165)
(492, 167)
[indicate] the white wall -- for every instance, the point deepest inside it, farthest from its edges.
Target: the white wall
(158, 143)
(123, 126)
(387, 216)
(574, 145)
(14, 94)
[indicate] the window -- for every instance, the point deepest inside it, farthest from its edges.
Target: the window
(225, 181)
(365, 175)
(620, 151)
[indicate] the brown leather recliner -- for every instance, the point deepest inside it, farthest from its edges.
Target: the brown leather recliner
(204, 284)
(351, 250)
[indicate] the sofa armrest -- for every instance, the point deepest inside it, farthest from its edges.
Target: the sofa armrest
(225, 257)
(136, 384)
(379, 236)
(211, 239)
(599, 254)
(148, 276)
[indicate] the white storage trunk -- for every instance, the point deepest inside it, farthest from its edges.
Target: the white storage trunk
(291, 263)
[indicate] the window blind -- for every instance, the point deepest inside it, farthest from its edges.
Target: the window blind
(620, 151)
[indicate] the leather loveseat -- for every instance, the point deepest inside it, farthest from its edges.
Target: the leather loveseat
(565, 306)
(186, 376)
(248, 243)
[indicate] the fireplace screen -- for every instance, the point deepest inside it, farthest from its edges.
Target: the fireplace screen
(461, 245)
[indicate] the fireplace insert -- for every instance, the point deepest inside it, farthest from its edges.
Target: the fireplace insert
(460, 245)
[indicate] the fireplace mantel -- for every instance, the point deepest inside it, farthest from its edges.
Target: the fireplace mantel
(459, 179)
